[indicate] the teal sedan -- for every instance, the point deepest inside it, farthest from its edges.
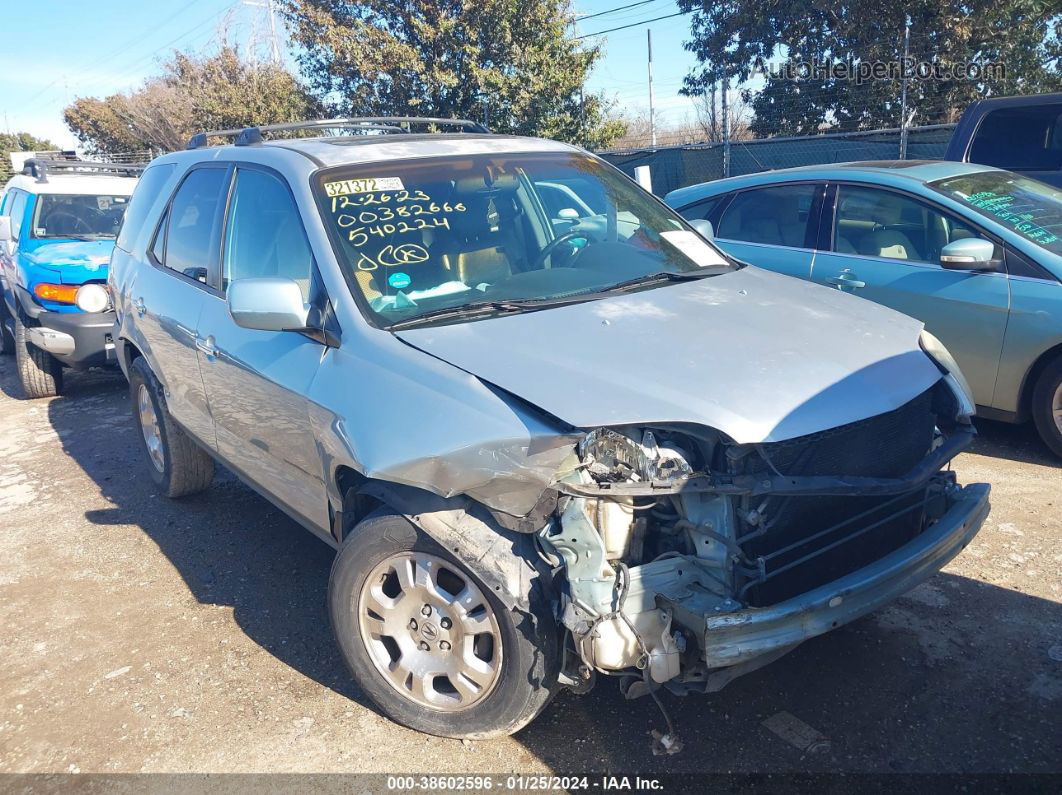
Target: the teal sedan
(973, 252)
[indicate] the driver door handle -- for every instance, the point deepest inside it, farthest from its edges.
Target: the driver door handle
(206, 346)
(845, 280)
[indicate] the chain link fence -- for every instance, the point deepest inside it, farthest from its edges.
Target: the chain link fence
(678, 166)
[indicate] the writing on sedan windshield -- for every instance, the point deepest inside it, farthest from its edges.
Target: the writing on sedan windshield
(1022, 216)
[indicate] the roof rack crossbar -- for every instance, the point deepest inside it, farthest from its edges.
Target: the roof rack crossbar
(391, 124)
(40, 167)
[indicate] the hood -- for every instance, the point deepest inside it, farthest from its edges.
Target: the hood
(759, 356)
(76, 261)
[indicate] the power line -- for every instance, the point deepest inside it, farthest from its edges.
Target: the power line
(614, 10)
(632, 25)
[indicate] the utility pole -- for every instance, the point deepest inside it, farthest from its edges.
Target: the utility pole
(274, 41)
(726, 127)
(652, 112)
(903, 87)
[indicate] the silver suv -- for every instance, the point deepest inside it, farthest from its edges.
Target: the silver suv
(552, 431)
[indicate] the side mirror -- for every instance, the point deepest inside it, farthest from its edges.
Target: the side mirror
(267, 304)
(967, 254)
(703, 227)
(5, 229)
(568, 214)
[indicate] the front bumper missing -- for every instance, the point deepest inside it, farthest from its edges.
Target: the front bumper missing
(737, 637)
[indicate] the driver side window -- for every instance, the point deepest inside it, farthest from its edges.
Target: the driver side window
(264, 236)
(891, 225)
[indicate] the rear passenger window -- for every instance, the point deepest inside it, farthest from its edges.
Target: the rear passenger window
(1020, 139)
(264, 236)
(775, 216)
(147, 190)
(192, 221)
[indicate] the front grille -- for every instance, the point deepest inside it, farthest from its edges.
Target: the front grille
(795, 550)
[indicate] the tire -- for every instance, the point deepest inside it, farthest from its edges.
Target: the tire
(177, 465)
(41, 373)
(524, 652)
(1047, 406)
(7, 339)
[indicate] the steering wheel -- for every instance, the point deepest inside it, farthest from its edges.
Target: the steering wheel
(552, 246)
(78, 222)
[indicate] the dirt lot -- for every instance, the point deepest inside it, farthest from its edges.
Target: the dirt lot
(140, 634)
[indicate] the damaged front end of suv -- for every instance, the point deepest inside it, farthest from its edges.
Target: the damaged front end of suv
(689, 559)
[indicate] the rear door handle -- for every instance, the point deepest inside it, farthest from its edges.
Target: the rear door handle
(206, 346)
(139, 306)
(845, 280)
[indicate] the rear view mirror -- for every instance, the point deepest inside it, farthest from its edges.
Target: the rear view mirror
(703, 227)
(267, 304)
(5, 229)
(967, 254)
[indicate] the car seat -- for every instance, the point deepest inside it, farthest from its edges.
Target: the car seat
(886, 242)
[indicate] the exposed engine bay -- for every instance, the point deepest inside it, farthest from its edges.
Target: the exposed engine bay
(662, 531)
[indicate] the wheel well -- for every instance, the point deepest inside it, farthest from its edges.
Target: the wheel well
(132, 353)
(1042, 363)
(355, 506)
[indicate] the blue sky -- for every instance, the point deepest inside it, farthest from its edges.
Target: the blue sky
(55, 51)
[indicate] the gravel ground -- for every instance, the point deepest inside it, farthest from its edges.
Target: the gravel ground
(142, 634)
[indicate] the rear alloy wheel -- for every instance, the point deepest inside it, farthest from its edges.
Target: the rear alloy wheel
(429, 643)
(177, 465)
(1047, 406)
(41, 373)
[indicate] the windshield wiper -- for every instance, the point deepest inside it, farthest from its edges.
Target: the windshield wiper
(665, 276)
(479, 308)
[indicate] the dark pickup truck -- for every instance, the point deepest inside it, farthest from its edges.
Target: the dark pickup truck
(1022, 134)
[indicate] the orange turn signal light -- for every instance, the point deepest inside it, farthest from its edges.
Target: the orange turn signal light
(58, 293)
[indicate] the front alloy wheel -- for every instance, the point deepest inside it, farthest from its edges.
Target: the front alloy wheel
(429, 643)
(430, 631)
(1047, 405)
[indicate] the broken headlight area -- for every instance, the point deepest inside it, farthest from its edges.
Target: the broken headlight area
(660, 530)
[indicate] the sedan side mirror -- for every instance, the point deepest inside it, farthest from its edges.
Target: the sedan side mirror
(5, 229)
(967, 254)
(703, 227)
(267, 304)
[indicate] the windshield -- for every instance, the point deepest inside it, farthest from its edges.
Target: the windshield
(500, 232)
(1031, 208)
(81, 216)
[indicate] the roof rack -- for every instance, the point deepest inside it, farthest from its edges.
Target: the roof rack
(41, 167)
(249, 136)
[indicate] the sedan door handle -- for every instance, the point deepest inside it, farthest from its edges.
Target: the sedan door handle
(206, 346)
(845, 280)
(139, 306)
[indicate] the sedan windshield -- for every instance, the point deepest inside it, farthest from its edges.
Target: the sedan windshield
(78, 216)
(1031, 208)
(457, 237)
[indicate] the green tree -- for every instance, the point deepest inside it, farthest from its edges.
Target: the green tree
(192, 94)
(20, 142)
(513, 62)
(729, 38)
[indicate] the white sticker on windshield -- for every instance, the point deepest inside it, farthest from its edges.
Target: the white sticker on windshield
(345, 187)
(693, 246)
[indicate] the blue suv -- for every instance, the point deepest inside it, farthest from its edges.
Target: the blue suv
(58, 223)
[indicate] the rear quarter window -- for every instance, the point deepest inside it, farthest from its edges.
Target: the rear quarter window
(144, 196)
